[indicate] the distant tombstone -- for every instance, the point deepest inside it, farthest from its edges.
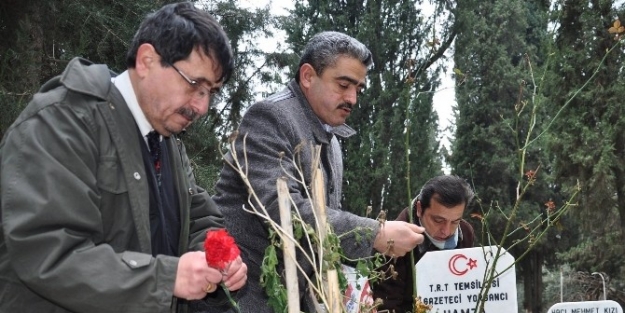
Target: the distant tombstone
(605, 306)
(450, 280)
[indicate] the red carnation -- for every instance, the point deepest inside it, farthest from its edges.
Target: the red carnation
(220, 248)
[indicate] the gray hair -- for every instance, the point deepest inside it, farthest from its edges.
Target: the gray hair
(325, 48)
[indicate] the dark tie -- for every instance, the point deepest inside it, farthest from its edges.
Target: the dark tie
(154, 144)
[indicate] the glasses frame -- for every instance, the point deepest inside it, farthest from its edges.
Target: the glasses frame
(200, 92)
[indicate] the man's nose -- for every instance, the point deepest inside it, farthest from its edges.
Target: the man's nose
(447, 230)
(351, 96)
(201, 105)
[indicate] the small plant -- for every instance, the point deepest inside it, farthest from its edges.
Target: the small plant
(318, 244)
(420, 307)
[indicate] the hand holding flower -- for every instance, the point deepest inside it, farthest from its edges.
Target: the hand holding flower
(193, 276)
(235, 275)
(223, 254)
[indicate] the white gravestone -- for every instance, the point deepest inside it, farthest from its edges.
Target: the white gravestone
(450, 280)
(605, 306)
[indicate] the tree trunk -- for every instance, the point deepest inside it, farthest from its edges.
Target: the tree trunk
(619, 182)
(531, 272)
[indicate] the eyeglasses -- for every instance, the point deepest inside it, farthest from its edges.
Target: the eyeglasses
(199, 91)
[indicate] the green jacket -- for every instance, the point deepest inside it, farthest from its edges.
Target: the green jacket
(75, 231)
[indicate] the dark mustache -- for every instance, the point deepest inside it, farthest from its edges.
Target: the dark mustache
(345, 105)
(188, 113)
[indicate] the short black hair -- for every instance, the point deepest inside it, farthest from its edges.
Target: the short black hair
(448, 190)
(176, 29)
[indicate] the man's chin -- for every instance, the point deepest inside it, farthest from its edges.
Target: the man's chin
(177, 129)
(338, 123)
(172, 131)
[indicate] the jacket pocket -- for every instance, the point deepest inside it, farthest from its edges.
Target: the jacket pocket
(114, 204)
(110, 176)
(136, 259)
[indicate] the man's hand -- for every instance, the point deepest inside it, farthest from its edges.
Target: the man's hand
(194, 276)
(397, 238)
(236, 275)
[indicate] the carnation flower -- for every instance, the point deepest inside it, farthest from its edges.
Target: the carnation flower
(220, 248)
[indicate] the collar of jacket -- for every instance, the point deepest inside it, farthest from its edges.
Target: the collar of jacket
(343, 131)
(85, 77)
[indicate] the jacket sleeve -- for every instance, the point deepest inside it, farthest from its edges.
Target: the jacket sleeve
(52, 223)
(268, 147)
(204, 213)
(396, 290)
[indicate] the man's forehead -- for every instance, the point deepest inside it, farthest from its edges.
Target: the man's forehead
(440, 211)
(200, 62)
(446, 216)
(347, 61)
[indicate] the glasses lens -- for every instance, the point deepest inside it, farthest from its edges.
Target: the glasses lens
(200, 93)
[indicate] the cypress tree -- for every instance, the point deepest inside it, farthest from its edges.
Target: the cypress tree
(496, 44)
(587, 143)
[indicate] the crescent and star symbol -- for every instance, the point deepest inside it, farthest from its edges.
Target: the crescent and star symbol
(453, 268)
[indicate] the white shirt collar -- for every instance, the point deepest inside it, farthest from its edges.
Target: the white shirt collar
(327, 127)
(123, 83)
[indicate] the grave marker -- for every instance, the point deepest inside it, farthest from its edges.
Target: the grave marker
(451, 280)
(604, 306)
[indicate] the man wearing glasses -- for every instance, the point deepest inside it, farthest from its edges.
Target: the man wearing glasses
(99, 207)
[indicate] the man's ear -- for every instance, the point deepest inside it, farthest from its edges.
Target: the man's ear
(419, 209)
(147, 58)
(306, 75)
